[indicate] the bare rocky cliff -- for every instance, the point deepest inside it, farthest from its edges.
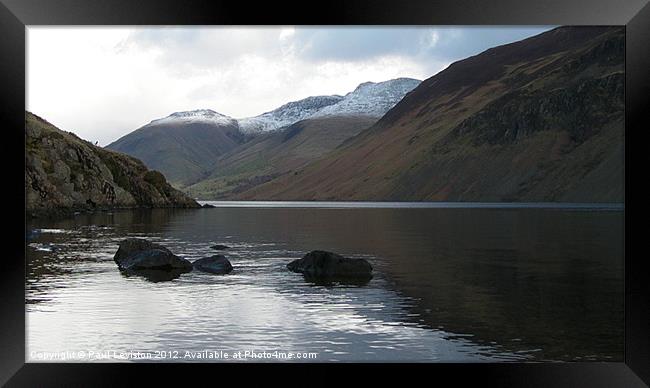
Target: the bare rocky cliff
(64, 173)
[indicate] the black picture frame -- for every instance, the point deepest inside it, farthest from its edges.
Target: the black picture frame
(16, 14)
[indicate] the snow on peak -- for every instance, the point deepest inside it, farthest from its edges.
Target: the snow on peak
(204, 116)
(287, 114)
(368, 99)
(371, 99)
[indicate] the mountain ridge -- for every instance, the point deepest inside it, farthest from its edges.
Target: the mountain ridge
(367, 99)
(541, 119)
(185, 145)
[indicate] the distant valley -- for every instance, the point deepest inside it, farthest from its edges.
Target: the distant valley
(185, 146)
(541, 119)
(274, 154)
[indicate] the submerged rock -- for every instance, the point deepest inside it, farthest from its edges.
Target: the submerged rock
(207, 206)
(220, 247)
(154, 275)
(325, 266)
(138, 254)
(217, 264)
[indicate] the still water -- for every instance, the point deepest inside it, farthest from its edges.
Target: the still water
(451, 283)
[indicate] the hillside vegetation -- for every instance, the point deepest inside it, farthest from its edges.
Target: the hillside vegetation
(64, 173)
(541, 119)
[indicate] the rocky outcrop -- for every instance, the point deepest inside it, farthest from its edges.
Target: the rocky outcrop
(64, 173)
(323, 265)
(217, 264)
(136, 254)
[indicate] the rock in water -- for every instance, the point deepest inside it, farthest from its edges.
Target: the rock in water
(220, 247)
(327, 265)
(217, 264)
(136, 254)
(154, 275)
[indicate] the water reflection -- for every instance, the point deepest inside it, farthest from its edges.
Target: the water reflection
(154, 275)
(449, 284)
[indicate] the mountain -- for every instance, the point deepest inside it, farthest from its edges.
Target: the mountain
(183, 145)
(64, 173)
(275, 153)
(368, 99)
(296, 134)
(287, 114)
(541, 119)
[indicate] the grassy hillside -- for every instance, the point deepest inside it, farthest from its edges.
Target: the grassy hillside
(182, 152)
(274, 154)
(537, 120)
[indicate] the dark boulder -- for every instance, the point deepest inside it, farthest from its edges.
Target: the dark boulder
(220, 247)
(154, 275)
(139, 254)
(207, 206)
(322, 265)
(217, 264)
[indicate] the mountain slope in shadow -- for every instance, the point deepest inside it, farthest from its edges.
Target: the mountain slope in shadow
(273, 154)
(541, 119)
(184, 145)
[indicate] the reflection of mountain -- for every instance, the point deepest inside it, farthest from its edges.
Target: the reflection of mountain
(524, 279)
(536, 120)
(494, 275)
(518, 279)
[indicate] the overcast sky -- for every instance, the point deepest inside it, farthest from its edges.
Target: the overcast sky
(103, 83)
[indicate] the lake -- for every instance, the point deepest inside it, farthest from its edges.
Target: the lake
(452, 283)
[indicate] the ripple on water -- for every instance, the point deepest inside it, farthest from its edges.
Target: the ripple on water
(78, 300)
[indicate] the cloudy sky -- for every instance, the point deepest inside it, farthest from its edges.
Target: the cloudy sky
(103, 83)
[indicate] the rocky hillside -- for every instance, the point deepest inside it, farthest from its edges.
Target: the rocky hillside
(184, 145)
(64, 173)
(541, 119)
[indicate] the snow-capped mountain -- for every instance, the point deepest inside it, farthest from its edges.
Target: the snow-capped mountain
(368, 99)
(185, 145)
(199, 116)
(372, 99)
(287, 114)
